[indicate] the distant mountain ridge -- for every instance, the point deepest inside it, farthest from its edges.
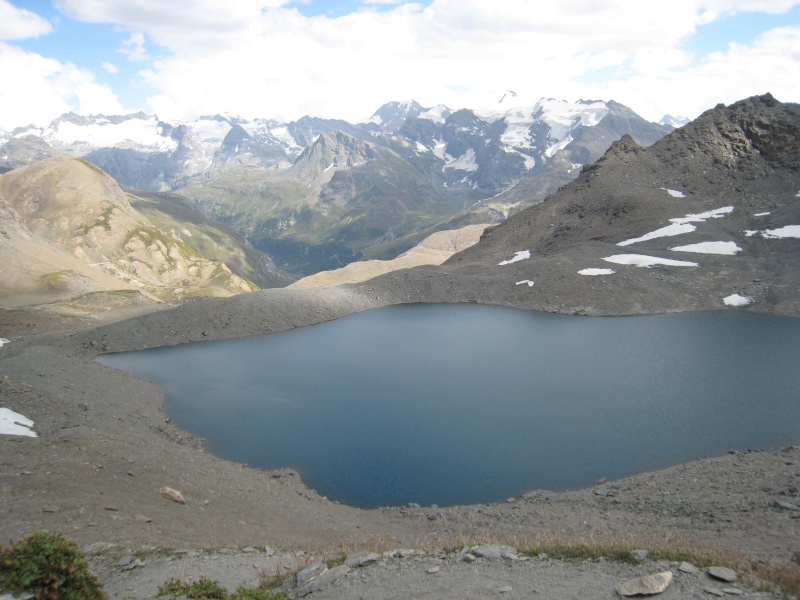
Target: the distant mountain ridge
(319, 193)
(707, 218)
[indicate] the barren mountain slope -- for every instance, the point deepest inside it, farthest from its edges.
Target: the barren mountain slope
(63, 207)
(719, 196)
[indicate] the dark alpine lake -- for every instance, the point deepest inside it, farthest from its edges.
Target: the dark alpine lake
(454, 404)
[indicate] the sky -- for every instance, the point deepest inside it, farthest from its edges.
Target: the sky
(282, 59)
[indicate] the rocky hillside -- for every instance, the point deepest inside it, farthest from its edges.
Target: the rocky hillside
(68, 229)
(706, 218)
(320, 193)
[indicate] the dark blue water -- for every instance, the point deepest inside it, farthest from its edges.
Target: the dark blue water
(453, 404)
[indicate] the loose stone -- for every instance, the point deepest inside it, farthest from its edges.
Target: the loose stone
(647, 585)
(173, 494)
(686, 567)
(723, 573)
(495, 551)
(362, 559)
(310, 572)
(640, 555)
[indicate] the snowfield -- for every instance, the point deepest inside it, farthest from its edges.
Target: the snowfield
(520, 255)
(3, 341)
(724, 248)
(141, 132)
(13, 423)
(674, 193)
(642, 260)
(525, 281)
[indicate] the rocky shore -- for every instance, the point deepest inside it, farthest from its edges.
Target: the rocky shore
(105, 451)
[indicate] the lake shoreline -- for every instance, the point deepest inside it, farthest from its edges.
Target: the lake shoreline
(105, 450)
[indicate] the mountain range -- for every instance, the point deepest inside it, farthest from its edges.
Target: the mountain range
(316, 194)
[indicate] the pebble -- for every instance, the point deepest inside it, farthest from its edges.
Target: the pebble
(723, 573)
(327, 577)
(713, 591)
(732, 591)
(647, 585)
(786, 505)
(495, 551)
(686, 567)
(432, 570)
(362, 559)
(269, 551)
(505, 589)
(640, 555)
(310, 572)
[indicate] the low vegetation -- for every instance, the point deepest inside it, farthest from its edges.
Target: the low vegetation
(209, 589)
(48, 566)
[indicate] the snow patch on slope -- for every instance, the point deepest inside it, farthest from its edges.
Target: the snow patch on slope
(723, 248)
(737, 300)
(13, 423)
(641, 260)
(595, 272)
(518, 256)
(669, 230)
(787, 231)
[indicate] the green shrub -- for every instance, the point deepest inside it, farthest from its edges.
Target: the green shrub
(49, 566)
(257, 594)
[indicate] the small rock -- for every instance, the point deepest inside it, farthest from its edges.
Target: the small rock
(224, 551)
(511, 500)
(50, 509)
(124, 561)
(143, 519)
(136, 563)
(505, 589)
(325, 578)
(432, 570)
(647, 585)
(495, 551)
(732, 591)
(686, 567)
(362, 559)
(269, 551)
(713, 591)
(310, 572)
(248, 549)
(640, 555)
(173, 494)
(723, 573)
(469, 558)
(786, 505)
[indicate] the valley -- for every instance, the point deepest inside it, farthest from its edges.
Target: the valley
(703, 219)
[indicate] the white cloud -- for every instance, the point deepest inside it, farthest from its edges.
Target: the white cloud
(18, 23)
(133, 47)
(264, 58)
(110, 68)
(45, 88)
